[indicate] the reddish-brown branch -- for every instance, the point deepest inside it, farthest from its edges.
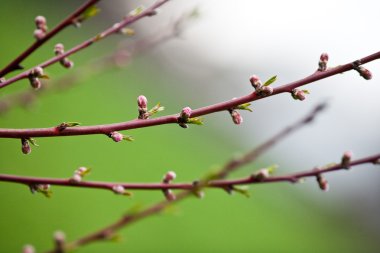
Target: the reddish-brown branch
(15, 64)
(112, 30)
(222, 183)
(170, 119)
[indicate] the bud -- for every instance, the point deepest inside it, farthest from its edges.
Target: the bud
(37, 72)
(169, 176)
(28, 249)
(76, 178)
(169, 195)
(185, 113)
(142, 102)
(266, 90)
(116, 136)
(322, 182)
(67, 63)
(25, 147)
(59, 49)
(236, 117)
(298, 94)
(59, 239)
(255, 82)
(40, 22)
(322, 65)
(118, 189)
(35, 82)
(261, 175)
(346, 159)
(82, 171)
(39, 34)
(365, 73)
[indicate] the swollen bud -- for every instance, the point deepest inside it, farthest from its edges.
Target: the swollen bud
(266, 91)
(236, 117)
(322, 182)
(365, 73)
(40, 22)
(261, 175)
(255, 82)
(322, 65)
(59, 239)
(25, 147)
(299, 94)
(59, 49)
(28, 249)
(39, 34)
(346, 159)
(184, 117)
(169, 195)
(116, 136)
(142, 102)
(169, 176)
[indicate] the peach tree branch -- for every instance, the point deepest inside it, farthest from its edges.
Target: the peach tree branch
(69, 20)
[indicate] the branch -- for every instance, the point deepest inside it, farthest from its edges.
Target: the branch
(174, 119)
(111, 30)
(69, 20)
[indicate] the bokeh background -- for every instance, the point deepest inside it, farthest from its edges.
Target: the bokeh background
(210, 62)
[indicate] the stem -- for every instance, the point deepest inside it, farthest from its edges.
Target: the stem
(112, 30)
(170, 119)
(15, 64)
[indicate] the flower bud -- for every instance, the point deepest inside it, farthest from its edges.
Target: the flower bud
(25, 147)
(37, 72)
(59, 239)
(266, 90)
(185, 113)
(255, 82)
(261, 175)
(118, 189)
(35, 83)
(76, 178)
(39, 34)
(67, 63)
(169, 195)
(59, 49)
(365, 73)
(40, 22)
(322, 182)
(298, 94)
(236, 117)
(169, 176)
(82, 170)
(116, 136)
(142, 102)
(28, 249)
(346, 159)
(322, 65)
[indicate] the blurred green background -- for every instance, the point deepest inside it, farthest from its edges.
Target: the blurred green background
(277, 218)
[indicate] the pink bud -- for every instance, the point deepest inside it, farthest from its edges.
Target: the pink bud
(255, 82)
(40, 20)
(59, 237)
(169, 176)
(67, 63)
(118, 189)
(81, 170)
(185, 113)
(236, 117)
(59, 49)
(76, 178)
(25, 147)
(169, 195)
(142, 102)
(322, 182)
(346, 159)
(116, 136)
(37, 72)
(28, 249)
(35, 83)
(365, 73)
(266, 90)
(261, 175)
(298, 94)
(324, 57)
(39, 34)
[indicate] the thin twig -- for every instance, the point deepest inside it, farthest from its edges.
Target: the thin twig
(173, 119)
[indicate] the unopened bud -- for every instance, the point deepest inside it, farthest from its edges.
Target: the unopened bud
(236, 117)
(59, 49)
(261, 175)
(37, 72)
(255, 82)
(25, 147)
(266, 91)
(185, 113)
(82, 170)
(28, 249)
(169, 195)
(76, 178)
(365, 73)
(116, 136)
(67, 63)
(142, 102)
(35, 82)
(118, 189)
(39, 34)
(346, 159)
(169, 176)
(59, 239)
(298, 94)
(322, 182)
(322, 65)
(40, 22)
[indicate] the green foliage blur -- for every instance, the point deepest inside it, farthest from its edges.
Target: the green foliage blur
(276, 218)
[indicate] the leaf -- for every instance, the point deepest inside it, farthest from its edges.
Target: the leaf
(244, 107)
(33, 142)
(306, 91)
(157, 108)
(270, 81)
(128, 31)
(128, 138)
(196, 121)
(242, 190)
(44, 77)
(271, 169)
(89, 13)
(137, 11)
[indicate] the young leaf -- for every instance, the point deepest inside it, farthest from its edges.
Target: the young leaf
(244, 107)
(270, 81)
(32, 141)
(196, 121)
(89, 13)
(128, 138)
(242, 190)
(306, 91)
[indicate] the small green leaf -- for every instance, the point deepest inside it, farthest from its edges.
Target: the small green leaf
(89, 13)
(242, 190)
(157, 108)
(270, 81)
(306, 91)
(196, 121)
(137, 11)
(115, 238)
(32, 141)
(44, 76)
(128, 138)
(271, 169)
(244, 107)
